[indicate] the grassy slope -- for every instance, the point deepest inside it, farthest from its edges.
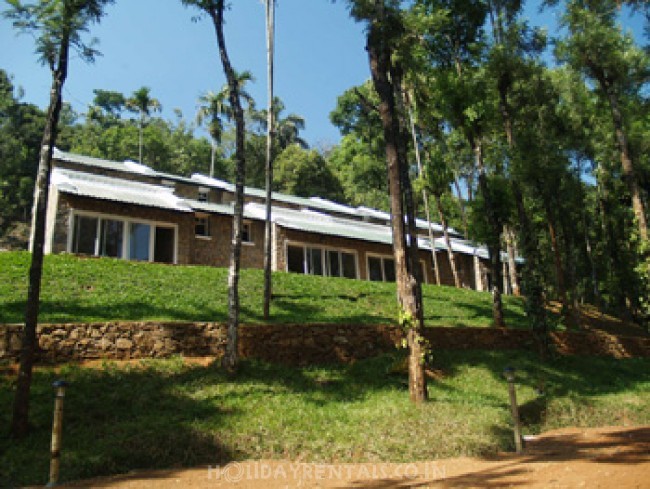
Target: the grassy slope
(166, 413)
(84, 290)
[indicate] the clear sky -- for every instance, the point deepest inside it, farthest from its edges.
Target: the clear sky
(319, 54)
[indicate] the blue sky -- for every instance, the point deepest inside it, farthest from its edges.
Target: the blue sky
(319, 54)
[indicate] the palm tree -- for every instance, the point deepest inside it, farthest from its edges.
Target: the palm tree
(215, 108)
(270, 135)
(212, 106)
(142, 103)
(287, 129)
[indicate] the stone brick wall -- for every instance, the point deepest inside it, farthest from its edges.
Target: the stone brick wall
(285, 344)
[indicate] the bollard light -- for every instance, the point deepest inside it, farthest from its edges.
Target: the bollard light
(509, 373)
(57, 424)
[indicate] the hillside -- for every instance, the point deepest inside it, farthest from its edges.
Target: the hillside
(101, 289)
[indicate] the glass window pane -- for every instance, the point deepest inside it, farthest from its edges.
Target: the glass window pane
(389, 269)
(111, 237)
(315, 261)
(139, 238)
(296, 259)
(374, 269)
(334, 267)
(84, 235)
(349, 265)
(201, 226)
(247, 233)
(164, 245)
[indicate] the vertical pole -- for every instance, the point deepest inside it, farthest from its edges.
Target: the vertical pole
(57, 424)
(509, 373)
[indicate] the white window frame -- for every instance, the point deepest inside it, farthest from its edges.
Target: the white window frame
(203, 195)
(324, 250)
(200, 215)
(127, 221)
(383, 270)
(382, 257)
(251, 240)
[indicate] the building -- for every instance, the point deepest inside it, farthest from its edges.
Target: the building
(128, 210)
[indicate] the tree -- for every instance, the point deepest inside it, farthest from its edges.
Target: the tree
(305, 173)
(215, 10)
(453, 41)
(58, 26)
(270, 133)
(385, 30)
(361, 172)
(21, 129)
(142, 103)
(597, 48)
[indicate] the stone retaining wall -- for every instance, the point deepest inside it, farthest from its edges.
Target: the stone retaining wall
(287, 344)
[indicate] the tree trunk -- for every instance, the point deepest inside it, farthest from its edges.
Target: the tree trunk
(270, 128)
(450, 251)
(629, 176)
(511, 247)
(461, 204)
(535, 306)
(20, 421)
(557, 259)
(425, 198)
(408, 296)
(494, 249)
(230, 358)
(532, 281)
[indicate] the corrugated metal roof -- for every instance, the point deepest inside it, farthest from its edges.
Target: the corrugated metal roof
(134, 192)
(117, 190)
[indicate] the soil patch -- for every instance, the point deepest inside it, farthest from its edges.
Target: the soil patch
(570, 457)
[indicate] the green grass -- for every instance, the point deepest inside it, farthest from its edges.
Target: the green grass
(85, 290)
(167, 413)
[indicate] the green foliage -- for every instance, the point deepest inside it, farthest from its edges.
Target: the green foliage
(21, 129)
(305, 173)
(58, 24)
(362, 173)
(186, 414)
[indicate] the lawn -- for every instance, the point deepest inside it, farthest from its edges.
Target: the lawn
(172, 413)
(86, 290)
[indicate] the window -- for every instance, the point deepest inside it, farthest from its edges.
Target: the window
(202, 226)
(204, 195)
(111, 238)
(139, 238)
(381, 269)
(296, 259)
(117, 238)
(319, 261)
(247, 233)
(84, 235)
(314, 261)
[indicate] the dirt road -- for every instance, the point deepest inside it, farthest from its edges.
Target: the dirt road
(568, 458)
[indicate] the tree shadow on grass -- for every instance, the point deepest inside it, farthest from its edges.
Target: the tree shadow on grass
(115, 420)
(72, 311)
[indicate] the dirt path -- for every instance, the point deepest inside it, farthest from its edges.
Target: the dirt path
(567, 458)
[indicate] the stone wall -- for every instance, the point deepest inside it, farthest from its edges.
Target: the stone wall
(286, 344)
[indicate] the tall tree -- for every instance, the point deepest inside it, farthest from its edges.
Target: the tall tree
(215, 10)
(597, 47)
(144, 104)
(58, 26)
(453, 38)
(270, 133)
(385, 30)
